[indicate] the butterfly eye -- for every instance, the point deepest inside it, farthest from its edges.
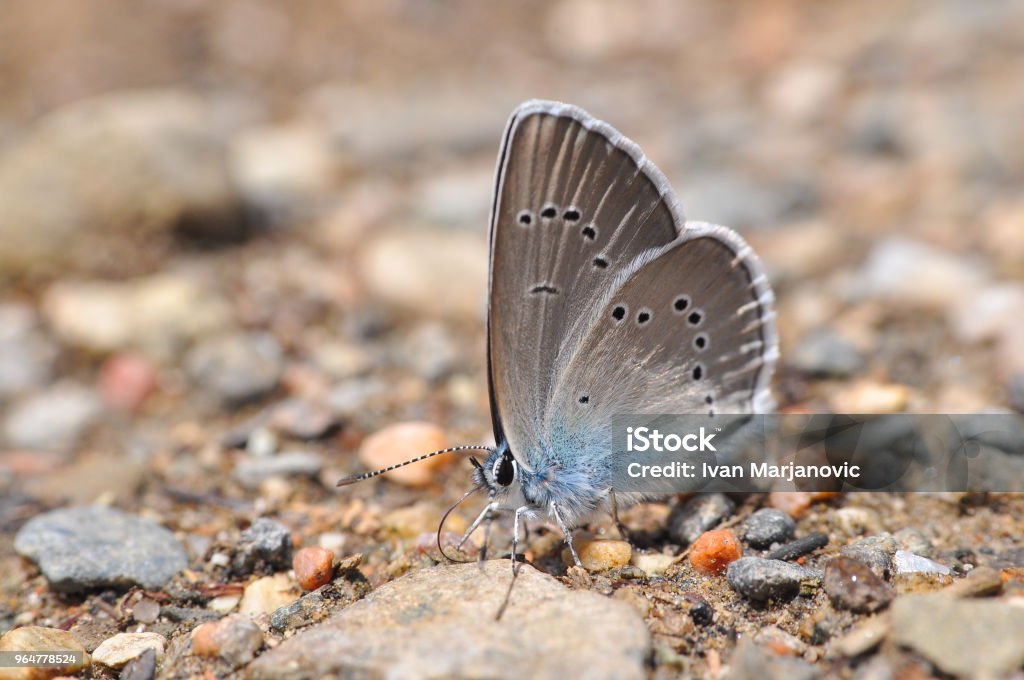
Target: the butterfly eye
(505, 470)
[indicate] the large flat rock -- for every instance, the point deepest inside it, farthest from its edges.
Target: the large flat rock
(440, 622)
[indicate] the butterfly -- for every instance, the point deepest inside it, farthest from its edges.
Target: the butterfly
(602, 301)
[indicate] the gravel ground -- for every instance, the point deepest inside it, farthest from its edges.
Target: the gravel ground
(244, 255)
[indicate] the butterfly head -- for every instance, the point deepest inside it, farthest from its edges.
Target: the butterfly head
(502, 476)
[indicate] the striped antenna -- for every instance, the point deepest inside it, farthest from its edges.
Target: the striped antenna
(345, 481)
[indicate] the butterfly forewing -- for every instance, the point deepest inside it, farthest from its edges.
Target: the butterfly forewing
(576, 204)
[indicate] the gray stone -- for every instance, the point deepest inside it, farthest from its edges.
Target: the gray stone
(142, 667)
(768, 526)
(824, 353)
(908, 563)
(237, 368)
(977, 638)
(875, 551)
(251, 471)
(314, 607)
(27, 356)
(446, 619)
(761, 579)
(433, 273)
(750, 662)
(89, 182)
(910, 273)
(851, 584)
(699, 514)
(52, 420)
(913, 540)
(265, 547)
(95, 547)
(1015, 390)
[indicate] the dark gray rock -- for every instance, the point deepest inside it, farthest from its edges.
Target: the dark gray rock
(96, 547)
(265, 547)
(439, 622)
(799, 547)
(768, 526)
(761, 579)
(851, 584)
(237, 368)
(142, 667)
(699, 514)
(314, 607)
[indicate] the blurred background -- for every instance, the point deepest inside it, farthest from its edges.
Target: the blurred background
(239, 229)
(243, 244)
(221, 218)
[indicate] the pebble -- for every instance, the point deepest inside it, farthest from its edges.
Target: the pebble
(413, 269)
(976, 638)
(912, 540)
(402, 441)
(156, 314)
(799, 547)
(304, 420)
(768, 526)
(40, 639)
(863, 637)
(915, 274)
(446, 615)
(142, 667)
(126, 380)
(852, 585)
(236, 639)
(653, 564)
(281, 169)
(27, 356)
(796, 503)
(826, 354)
(253, 471)
(313, 567)
(874, 551)
(854, 521)
(687, 522)
(599, 554)
(866, 396)
(117, 651)
(908, 563)
(87, 183)
(93, 547)
(760, 579)
(52, 420)
(350, 585)
(751, 662)
(714, 551)
(146, 610)
(267, 594)
(236, 368)
(225, 604)
(979, 582)
(265, 547)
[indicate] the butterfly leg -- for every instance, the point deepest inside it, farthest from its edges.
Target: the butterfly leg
(482, 557)
(484, 514)
(623, 530)
(515, 537)
(567, 533)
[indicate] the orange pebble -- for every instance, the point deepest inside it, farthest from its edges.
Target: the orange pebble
(795, 503)
(714, 550)
(313, 567)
